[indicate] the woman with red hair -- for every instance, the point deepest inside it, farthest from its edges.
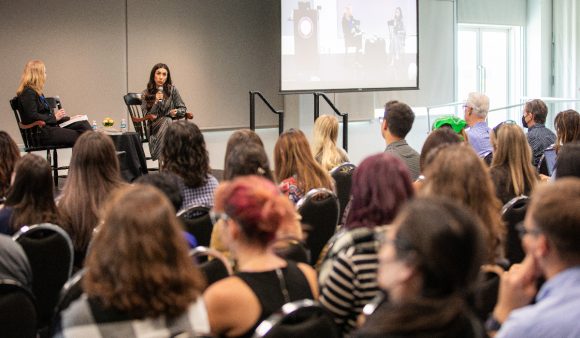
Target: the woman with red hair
(253, 211)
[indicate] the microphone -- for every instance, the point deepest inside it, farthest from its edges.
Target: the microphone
(160, 89)
(58, 105)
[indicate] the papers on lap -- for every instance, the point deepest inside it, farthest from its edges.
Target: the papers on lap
(74, 119)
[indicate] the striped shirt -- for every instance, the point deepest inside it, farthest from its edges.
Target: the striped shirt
(539, 138)
(478, 136)
(351, 283)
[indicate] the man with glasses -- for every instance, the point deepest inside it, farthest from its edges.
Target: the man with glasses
(539, 137)
(551, 239)
(475, 114)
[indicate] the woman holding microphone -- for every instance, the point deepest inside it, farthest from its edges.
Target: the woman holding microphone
(162, 101)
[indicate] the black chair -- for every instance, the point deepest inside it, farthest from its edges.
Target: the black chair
(512, 213)
(215, 269)
(197, 221)
(292, 248)
(320, 210)
(31, 137)
(50, 254)
(71, 291)
(17, 311)
(303, 318)
(342, 175)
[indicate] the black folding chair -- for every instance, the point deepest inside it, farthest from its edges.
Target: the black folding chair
(303, 318)
(215, 269)
(50, 253)
(342, 175)
(17, 311)
(197, 222)
(512, 213)
(320, 210)
(31, 137)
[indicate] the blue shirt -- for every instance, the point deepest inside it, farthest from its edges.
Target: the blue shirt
(478, 136)
(555, 314)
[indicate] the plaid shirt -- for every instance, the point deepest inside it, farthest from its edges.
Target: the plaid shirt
(478, 136)
(200, 196)
(539, 138)
(84, 318)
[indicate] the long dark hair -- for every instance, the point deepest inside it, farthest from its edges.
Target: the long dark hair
(183, 152)
(31, 195)
(9, 154)
(152, 86)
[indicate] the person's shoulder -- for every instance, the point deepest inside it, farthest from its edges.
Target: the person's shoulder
(78, 314)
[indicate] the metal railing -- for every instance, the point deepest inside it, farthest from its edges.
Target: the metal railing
(280, 113)
(344, 116)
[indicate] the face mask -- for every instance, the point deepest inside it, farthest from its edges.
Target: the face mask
(524, 123)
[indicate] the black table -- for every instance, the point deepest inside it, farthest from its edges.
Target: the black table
(132, 163)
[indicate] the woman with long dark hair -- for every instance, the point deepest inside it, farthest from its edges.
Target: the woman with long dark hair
(9, 154)
(162, 100)
(429, 261)
(30, 199)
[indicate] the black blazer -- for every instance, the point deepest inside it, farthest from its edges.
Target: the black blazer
(33, 108)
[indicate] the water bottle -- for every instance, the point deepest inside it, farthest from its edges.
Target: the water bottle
(123, 125)
(94, 125)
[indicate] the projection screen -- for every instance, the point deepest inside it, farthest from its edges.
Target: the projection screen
(349, 45)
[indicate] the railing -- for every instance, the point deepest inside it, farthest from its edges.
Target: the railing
(344, 116)
(280, 113)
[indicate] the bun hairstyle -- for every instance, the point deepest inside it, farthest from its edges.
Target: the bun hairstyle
(256, 205)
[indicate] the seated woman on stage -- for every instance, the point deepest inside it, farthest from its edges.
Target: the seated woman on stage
(162, 100)
(33, 106)
(140, 280)
(30, 197)
(253, 211)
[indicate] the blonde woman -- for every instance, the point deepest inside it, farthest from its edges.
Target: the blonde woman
(324, 146)
(33, 106)
(511, 169)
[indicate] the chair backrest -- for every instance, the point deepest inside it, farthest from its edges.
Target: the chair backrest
(30, 136)
(213, 270)
(49, 251)
(342, 176)
(17, 311)
(303, 318)
(71, 291)
(514, 212)
(197, 222)
(320, 210)
(292, 248)
(133, 103)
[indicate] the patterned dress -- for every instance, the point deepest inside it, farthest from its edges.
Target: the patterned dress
(158, 127)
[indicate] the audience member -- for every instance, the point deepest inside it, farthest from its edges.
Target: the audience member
(454, 123)
(456, 172)
(436, 138)
(9, 154)
(324, 148)
(475, 114)
(295, 168)
(30, 199)
(427, 264)
(568, 162)
(162, 100)
(551, 239)
(253, 210)
(539, 137)
(511, 170)
(140, 279)
(380, 187)
(567, 125)
(397, 123)
(186, 156)
(245, 155)
(33, 106)
(92, 176)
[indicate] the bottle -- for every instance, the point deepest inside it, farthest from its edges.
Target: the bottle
(123, 125)
(94, 125)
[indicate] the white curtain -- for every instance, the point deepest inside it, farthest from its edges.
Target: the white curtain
(566, 30)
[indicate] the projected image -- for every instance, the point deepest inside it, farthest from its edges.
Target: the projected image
(349, 44)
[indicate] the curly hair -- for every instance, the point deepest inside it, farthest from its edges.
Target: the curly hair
(292, 156)
(455, 171)
(139, 262)
(380, 187)
(567, 125)
(9, 154)
(183, 152)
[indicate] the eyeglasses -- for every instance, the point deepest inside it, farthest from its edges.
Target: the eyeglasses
(216, 216)
(522, 231)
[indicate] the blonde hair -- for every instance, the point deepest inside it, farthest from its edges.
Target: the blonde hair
(324, 146)
(34, 76)
(511, 149)
(292, 156)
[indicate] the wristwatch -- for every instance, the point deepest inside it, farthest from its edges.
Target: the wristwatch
(492, 324)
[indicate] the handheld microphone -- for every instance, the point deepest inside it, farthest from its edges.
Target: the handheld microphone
(160, 89)
(58, 104)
